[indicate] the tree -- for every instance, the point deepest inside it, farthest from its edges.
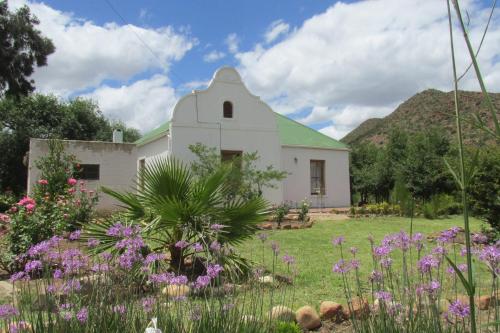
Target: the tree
(245, 179)
(46, 116)
(484, 189)
(423, 169)
(363, 177)
(173, 205)
(22, 47)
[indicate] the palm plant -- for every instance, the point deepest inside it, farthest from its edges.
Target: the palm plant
(172, 205)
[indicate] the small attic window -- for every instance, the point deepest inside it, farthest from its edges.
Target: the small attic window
(227, 109)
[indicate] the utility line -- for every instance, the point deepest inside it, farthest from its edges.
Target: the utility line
(142, 40)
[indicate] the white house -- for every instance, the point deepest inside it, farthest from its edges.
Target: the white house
(230, 118)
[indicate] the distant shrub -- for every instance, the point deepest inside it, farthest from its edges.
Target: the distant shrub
(280, 212)
(6, 201)
(438, 206)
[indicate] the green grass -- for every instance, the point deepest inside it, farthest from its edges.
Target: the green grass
(315, 254)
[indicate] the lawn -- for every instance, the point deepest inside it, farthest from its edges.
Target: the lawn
(315, 255)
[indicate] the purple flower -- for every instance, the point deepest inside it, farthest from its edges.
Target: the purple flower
(375, 276)
(19, 276)
(153, 257)
(215, 246)
(439, 250)
(341, 267)
(432, 288)
(33, 265)
(386, 262)
(202, 281)
(382, 251)
(82, 315)
(161, 278)
(106, 256)
(58, 274)
(70, 286)
(73, 261)
(197, 247)
(289, 260)
(100, 268)
(427, 263)
(148, 304)
(115, 230)
(20, 326)
(75, 235)
(354, 250)
(93, 242)
(181, 244)
(262, 236)
(214, 270)
(355, 263)
(338, 241)
(491, 256)
(275, 247)
(448, 236)
(119, 309)
(479, 238)
(383, 296)
(7, 311)
(459, 309)
(179, 280)
(461, 267)
(217, 227)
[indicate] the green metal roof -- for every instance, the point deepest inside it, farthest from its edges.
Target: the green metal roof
(291, 133)
(154, 134)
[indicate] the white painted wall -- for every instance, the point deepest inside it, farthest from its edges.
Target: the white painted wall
(153, 149)
(198, 117)
(297, 186)
(117, 165)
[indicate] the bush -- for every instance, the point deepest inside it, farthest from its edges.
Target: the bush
(280, 212)
(288, 327)
(439, 205)
(303, 210)
(6, 201)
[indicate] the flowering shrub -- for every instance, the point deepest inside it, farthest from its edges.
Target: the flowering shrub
(303, 210)
(64, 289)
(413, 288)
(34, 219)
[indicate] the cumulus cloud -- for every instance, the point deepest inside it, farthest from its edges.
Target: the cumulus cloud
(87, 53)
(213, 56)
(362, 59)
(144, 104)
(232, 41)
(276, 29)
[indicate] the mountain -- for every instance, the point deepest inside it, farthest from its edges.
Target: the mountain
(427, 109)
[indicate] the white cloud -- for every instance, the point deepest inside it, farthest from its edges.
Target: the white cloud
(362, 59)
(144, 104)
(198, 84)
(276, 29)
(87, 54)
(213, 56)
(232, 41)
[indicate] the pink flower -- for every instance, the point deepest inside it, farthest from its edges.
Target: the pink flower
(26, 201)
(4, 218)
(72, 181)
(30, 207)
(43, 182)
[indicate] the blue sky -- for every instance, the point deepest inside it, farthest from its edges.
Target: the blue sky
(328, 64)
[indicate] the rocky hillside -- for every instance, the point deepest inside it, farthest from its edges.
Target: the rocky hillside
(430, 108)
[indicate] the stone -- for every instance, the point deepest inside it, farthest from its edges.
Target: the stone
(287, 226)
(282, 313)
(360, 308)
(267, 226)
(483, 303)
(308, 318)
(266, 279)
(176, 291)
(295, 226)
(330, 310)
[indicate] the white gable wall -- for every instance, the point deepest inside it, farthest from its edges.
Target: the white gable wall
(297, 186)
(153, 149)
(198, 117)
